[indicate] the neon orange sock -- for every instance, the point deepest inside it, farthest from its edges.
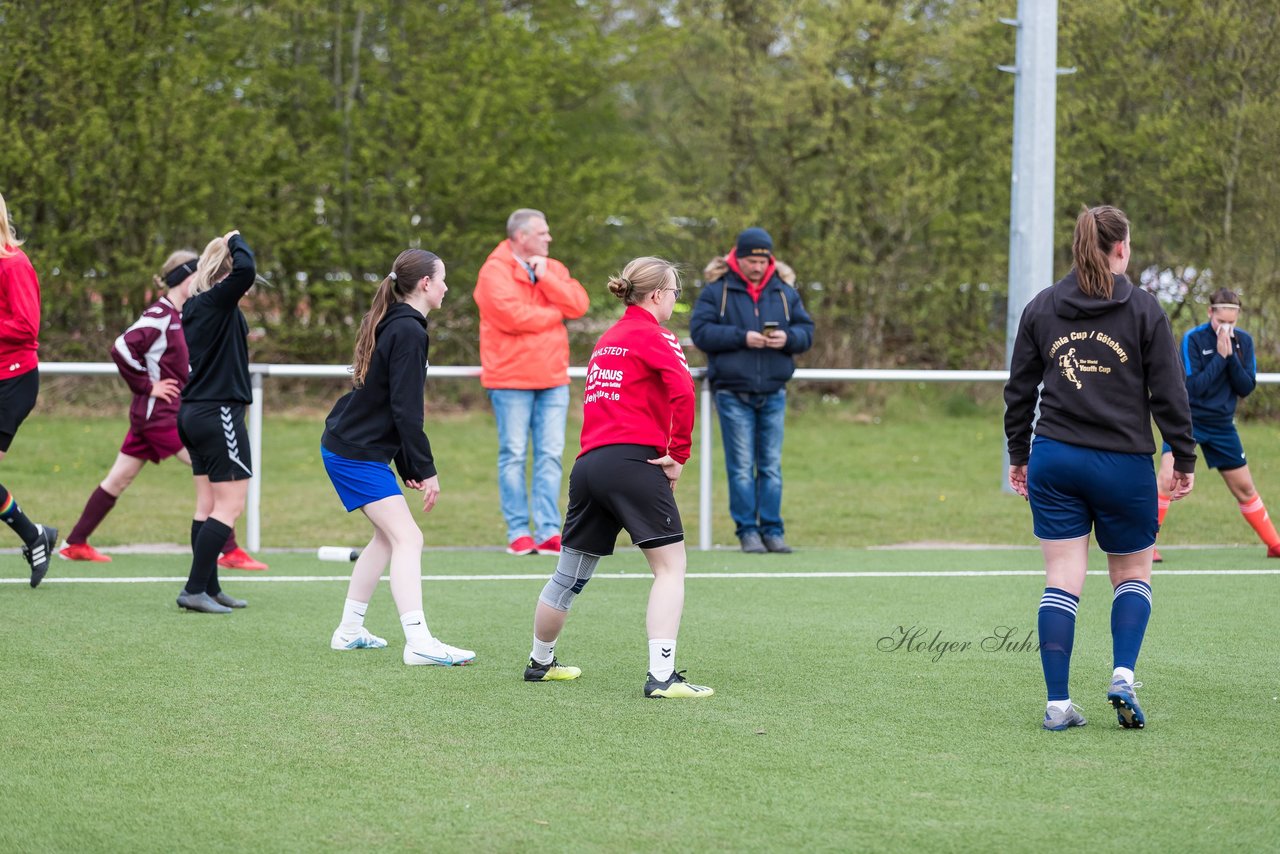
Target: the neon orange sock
(1255, 513)
(1162, 505)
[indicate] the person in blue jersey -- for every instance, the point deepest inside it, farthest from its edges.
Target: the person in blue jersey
(377, 422)
(1097, 356)
(1221, 369)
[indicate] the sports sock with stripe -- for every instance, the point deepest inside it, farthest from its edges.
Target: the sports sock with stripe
(543, 652)
(11, 514)
(1130, 610)
(1255, 513)
(1056, 625)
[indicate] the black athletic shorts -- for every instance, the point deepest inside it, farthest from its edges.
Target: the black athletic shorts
(216, 438)
(613, 488)
(17, 399)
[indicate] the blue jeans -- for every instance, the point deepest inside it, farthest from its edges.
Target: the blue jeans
(521, 414)
(751, 431)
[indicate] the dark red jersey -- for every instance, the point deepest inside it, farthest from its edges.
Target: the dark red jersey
(153, 348)
(639, 389)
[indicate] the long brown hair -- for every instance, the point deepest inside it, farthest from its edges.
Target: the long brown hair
(410, 267)
(1098, 230)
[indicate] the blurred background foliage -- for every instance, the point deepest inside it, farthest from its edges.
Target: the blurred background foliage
(871, 137)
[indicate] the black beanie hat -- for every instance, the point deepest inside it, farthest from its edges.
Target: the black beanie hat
(754, 241)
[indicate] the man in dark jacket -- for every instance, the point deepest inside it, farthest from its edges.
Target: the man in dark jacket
(750, 322)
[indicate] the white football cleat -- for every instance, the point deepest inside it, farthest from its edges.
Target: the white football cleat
(360, 639)
(438, 653)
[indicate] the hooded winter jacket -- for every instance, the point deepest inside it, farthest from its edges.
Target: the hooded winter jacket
(725, 312)
(381, 420)
(1107, 367)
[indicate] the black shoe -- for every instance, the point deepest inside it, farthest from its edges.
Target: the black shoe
(202, 602)
(39, 553)
(775, 543)
(222, 598)
(552, 672)
(752, 544)
(675, 688)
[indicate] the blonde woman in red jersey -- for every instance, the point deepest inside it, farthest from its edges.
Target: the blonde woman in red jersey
(637, 427)
(19, 382)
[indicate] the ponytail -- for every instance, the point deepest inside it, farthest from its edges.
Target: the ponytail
(213, 267)
(411, 266)
(1098, 230)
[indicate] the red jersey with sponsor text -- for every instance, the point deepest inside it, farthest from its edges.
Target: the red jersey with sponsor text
(639, 389)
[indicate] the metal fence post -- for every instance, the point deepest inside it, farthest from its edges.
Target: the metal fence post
(704, 471)
(253, 512)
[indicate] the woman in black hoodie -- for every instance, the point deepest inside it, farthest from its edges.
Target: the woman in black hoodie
(211, 415)
(1098, 356)
(380, 420)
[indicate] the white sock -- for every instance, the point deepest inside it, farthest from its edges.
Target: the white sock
(544, 652)
(662, 658)
(1122, 673)
(353, 615)
(416, 632)
(1060, 705)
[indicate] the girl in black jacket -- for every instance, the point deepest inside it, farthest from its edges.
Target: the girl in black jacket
(380, 420)
(211, 416)
(1097, 354)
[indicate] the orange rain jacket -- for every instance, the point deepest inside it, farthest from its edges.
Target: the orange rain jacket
(523, 342)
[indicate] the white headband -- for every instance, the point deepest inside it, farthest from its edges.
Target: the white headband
(1224, 305)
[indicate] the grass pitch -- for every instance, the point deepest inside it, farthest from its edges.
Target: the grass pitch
(129, 725)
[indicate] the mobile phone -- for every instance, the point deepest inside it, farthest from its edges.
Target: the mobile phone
(770, 325)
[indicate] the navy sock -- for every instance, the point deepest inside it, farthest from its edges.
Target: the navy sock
(1130, 610)
(11, 514)
(204, 557)
(1056, 625)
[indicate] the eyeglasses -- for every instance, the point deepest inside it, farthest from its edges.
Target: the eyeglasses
(676, 291)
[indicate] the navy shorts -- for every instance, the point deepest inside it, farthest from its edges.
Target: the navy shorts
(612, 488)
(1074, 489)
(359, 482)
(1219, 442)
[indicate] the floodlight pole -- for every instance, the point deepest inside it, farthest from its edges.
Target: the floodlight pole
(1034, 125)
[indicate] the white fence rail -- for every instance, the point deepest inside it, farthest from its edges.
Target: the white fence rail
(253, 510)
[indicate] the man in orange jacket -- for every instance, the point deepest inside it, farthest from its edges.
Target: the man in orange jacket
(524, 298)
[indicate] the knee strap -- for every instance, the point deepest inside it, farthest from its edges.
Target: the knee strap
(573, 571)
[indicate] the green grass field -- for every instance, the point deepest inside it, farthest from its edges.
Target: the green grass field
(129, 725)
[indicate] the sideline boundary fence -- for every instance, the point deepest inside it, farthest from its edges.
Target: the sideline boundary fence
(259, 371)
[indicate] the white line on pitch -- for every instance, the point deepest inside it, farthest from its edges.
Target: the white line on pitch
(641, 576)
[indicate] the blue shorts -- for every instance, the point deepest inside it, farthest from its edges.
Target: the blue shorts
(1074, 489)
(359, 482)
(1219, 442)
